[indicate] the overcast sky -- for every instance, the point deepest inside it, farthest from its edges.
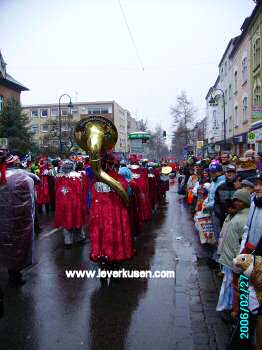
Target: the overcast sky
(83, 47)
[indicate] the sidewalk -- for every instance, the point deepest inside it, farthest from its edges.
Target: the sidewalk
(197, 324)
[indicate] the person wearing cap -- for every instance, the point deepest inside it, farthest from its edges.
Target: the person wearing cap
(252, 238)
(230, 249)
(225, 192)
(248, 186)
(124, 170)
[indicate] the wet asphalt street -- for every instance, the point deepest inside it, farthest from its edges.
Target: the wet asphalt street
(51, 312)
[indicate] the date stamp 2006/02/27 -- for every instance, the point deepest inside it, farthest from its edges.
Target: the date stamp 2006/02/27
(244, 306)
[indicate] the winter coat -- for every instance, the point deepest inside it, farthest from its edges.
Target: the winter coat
(253, 228)
(212, 191)
(233, 237)
(223, 193)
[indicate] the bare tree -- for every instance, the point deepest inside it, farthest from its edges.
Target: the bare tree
(142, 125)
(157, 145)
(51, 139)
(183, 116)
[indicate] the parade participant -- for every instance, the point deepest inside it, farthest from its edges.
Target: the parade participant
(42, 189)
(110, 227)
(51, 182)
(35, 168)
(153, 193)
(71, 211)
(125, 171)
(224, 192)
(17, 226)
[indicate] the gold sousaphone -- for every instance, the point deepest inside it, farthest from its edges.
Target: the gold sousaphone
(166, 170)
(97, 135)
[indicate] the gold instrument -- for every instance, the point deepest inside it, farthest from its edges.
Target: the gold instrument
(166, 170)
(97, 135)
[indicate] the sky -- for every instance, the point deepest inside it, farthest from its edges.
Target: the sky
(140, 53)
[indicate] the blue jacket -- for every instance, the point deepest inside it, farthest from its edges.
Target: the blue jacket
(212, 191)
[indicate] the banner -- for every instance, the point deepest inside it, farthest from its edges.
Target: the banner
(256, 114)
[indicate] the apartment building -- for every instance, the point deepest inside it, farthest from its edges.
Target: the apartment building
(41, 114)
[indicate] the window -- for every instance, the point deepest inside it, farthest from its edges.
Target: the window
(45, 128)
(44, 113)
(230, 123)
(34, 113)
(257, 93)
(75, 112)
(1, 103)
(225, 96)
(214, 119)
(244, 70)
(225, 68)
(235, 82)
(64, 111)
(104, 110)
(230, 92)
(35, 129)
(221, 74)
(96, 111)
(256, 51)
(54, 112)
(244, 109)
(236, 117)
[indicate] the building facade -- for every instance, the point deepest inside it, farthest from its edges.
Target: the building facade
(9, 87)
(255, 33)
(240, 97)
(42, 115)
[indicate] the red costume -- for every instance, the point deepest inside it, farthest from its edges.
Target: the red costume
(110, 226)
(42, 189)
(71, 201)
(143, 183)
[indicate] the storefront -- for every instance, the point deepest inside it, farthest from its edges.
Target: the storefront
(255, 138)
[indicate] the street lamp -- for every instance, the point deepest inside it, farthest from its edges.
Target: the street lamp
(70, 105)
(213, 102)
(195, 139)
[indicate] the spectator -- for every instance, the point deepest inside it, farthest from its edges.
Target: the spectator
(224, 192)
(253, 229)
(248, 186)
(230, 248)
(217, 177)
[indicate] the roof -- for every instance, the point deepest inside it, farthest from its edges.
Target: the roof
(12, 83)
(40, 105)
(231, 42)
(245, 27)
(210, 89)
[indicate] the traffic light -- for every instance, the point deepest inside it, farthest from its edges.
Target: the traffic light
(164, 134)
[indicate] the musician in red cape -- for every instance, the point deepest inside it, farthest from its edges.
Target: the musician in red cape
(71, 204)
(110, 227)
(42, 189)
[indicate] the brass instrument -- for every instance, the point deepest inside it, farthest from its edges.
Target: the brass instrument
(97, 135)
(166, 170)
